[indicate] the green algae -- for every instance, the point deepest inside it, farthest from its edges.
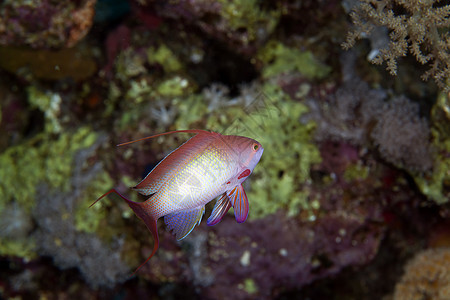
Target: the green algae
(139, 91)
(147, 89)
(280, 180)
(165, 57)
(174, 86)
(49, 103)
(24, 248)
(436, 186)
(43, 159)
(88, 219)
(16, 225)
(279, 58)
(189, 110)
(129, 65)
(249, 16)
(250, 286)
(356, 171)
(40, 159)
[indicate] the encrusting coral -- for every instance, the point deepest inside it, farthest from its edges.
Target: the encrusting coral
(416, 26)
(45, 24)
(427, 276)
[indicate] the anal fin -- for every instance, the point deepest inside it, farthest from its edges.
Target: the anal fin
(183, 222)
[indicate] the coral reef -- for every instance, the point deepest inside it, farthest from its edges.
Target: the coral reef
(49, 161)
(417, 27)
(364, 117)
(44, 23)
(354, 179)
(15, 227)
(402, 136)
(274, 245)
(58, 237)
(436, 185)
(242, 25)
(277, 59)
(283, 179)
(427, 276)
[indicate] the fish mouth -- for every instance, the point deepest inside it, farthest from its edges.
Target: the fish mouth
(256, 158)
(260, 153)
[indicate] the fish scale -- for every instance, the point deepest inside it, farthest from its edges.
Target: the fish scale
(194, 184)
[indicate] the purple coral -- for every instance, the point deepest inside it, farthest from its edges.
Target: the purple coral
(279, 253)
(402, 137)
(365, 117)
(44, 23)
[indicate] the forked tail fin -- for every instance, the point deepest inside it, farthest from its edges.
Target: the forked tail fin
(142, 210)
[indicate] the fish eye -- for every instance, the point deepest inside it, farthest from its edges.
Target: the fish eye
(255, 147)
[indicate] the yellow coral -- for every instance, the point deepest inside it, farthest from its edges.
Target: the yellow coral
(427, 276)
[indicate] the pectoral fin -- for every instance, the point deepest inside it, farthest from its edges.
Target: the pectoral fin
(239, 201)
(182, 223)
(221, 207)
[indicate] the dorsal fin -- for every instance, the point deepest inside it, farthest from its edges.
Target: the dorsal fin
(165, 133)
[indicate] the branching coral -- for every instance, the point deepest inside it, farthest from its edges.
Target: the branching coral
(417, 27)
(427, 276)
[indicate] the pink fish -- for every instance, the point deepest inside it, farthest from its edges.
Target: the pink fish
(207, 166)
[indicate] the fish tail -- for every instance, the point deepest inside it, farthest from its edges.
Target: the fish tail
(106, 194)
(143, 211)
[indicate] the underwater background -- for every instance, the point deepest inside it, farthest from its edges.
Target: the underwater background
(349, 98)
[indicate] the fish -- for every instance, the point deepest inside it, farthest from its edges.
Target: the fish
(207, 166)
